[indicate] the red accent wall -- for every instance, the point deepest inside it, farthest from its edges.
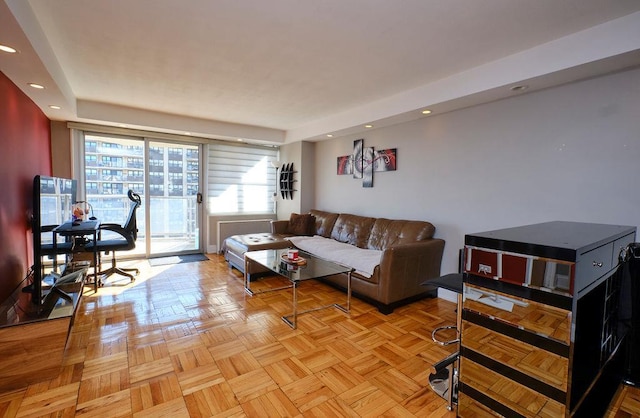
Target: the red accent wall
(25, 150)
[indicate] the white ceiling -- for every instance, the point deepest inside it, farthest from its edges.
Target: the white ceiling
(279, 71)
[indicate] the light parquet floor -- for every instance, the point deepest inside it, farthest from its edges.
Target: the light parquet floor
(626, 403)
(185, 340)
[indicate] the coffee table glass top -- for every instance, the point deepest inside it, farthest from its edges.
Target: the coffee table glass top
(311, 268)
(314, 267)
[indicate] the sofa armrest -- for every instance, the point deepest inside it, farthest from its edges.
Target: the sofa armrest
(404, 267)
(279, 227)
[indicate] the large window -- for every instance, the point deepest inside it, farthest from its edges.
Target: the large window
(241, 179)
(166, 173)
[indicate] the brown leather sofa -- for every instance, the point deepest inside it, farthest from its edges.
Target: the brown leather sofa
(410, 254)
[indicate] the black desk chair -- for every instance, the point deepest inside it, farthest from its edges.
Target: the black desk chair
(126, 241)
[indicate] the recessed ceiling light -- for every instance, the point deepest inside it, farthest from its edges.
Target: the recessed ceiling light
(8, 49)
(368, 126)
(426, 112)
(519, 87)
(329, 136)
(240, 139)
(36, 86)
(55, 107)
(188, 133)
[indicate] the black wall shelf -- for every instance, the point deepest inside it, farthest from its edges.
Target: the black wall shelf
(286, 181)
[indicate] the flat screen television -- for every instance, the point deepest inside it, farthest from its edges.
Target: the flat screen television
(53, 199)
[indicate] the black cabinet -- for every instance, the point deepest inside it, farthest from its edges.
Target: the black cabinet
(539, 320)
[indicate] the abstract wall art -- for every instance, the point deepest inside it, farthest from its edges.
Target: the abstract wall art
(365, 160)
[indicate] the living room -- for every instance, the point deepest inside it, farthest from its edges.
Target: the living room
(562, 152)
(557, 154)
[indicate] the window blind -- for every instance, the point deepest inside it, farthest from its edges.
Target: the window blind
(241, 179)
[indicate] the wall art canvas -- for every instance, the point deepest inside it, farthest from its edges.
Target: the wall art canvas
(363, 161)
(367, 167)
(358, 158)
(345, 164)
(385, 160)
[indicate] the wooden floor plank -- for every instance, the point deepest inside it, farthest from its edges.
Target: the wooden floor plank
(118, 404)
(54, 401)
(186, 340)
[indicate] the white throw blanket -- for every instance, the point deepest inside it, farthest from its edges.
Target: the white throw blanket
(361, 260)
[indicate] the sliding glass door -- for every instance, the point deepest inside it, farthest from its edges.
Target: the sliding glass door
(174, 198)
(167, 177)
(114, 165)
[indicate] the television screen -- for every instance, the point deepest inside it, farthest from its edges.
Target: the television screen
(53, 199)
(57, 196)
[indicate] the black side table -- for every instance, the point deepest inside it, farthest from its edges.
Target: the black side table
(452, 282)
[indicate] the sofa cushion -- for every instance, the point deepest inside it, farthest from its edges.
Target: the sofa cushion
(386, 233)
(352, 229)
(301, 224)
(324, 222)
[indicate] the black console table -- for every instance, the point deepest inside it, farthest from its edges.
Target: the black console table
(539, 334)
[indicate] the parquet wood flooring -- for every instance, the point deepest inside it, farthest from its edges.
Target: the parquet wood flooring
(626, 403)
(185, 340)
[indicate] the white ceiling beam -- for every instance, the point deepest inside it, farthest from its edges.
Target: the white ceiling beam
(143, 119)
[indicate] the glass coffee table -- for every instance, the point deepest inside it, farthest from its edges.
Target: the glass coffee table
(312, 268)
